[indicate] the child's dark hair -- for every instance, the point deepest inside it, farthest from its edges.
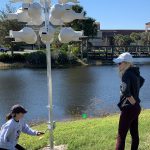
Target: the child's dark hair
(16, 109)
(9, 116)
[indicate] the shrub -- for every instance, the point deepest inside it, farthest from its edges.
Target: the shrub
(5, 58)
(62, 58)
(36, 58)
(64, 47)
(75, 50)
(18, 58)
(39, 58)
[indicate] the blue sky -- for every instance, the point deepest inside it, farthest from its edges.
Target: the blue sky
(114, 14)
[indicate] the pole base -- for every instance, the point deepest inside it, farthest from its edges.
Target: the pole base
(60, 147)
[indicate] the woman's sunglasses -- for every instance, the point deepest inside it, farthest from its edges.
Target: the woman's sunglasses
(119, 63)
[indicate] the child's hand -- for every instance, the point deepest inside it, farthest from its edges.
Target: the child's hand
(40, 133)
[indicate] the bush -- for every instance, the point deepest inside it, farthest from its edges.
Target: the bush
(62, 58)
(5, 58)
(75, 50)
(12, 59)
(64, 47)
(36, 58)
(73, 60)
(18, 58)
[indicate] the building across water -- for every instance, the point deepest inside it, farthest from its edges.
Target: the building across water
(105, 37)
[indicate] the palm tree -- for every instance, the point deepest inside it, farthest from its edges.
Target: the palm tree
(145, 38)
(119, 40)
(135, 37)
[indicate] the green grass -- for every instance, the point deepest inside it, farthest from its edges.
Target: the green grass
(89, 134)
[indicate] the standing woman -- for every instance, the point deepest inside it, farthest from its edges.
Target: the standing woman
(11, 130)
(129, 101)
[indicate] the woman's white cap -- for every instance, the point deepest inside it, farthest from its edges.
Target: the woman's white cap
(124, 57)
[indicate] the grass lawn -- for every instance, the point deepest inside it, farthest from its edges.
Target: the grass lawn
(89, 134)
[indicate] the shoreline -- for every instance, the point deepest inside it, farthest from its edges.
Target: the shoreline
(18, 65)
(24, 65)
(79, 118)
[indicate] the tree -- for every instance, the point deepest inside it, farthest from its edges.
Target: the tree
(145, 38)
(122, 40)
(135, 37)
(127, 40)
(88, 25)
(119, 40)
(6, 25)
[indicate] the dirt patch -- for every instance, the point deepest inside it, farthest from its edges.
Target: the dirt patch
(60, 147)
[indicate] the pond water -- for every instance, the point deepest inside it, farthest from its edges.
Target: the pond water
(92, 90)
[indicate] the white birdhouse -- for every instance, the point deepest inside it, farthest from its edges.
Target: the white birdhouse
(71, 15)
(35, 12)
(58, 10)
(56, 22)
(67, 1)
(26, 35)
(64, 13)
(68, 34)
(24, 1)
(32, 15)
(36, 22)
(21, 15)
(12, 16)
(47, 37)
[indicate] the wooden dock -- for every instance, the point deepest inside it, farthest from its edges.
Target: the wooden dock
(110, 52)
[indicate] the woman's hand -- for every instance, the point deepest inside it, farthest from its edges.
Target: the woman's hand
(131, 100)
(39, 133)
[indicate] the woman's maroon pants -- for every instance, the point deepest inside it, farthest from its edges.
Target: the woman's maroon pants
(128, 121)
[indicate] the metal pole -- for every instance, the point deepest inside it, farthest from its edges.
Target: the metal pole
(49, 76)
(81, 49)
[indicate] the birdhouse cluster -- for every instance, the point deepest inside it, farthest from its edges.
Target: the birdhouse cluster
(32, 13)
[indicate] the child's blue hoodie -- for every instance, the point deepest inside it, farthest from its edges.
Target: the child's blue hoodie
(10, 132)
